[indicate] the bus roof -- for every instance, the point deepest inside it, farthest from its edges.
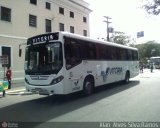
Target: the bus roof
(67, 34)
(55, 36)
(155, 57)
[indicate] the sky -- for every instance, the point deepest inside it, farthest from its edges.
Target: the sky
(127, 16)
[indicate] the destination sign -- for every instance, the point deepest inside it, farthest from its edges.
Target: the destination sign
(42, 38)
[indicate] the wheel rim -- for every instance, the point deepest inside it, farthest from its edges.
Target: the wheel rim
(88, 87)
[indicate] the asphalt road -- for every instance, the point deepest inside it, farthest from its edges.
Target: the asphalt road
(137, 101)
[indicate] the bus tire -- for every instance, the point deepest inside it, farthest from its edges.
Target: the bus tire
(127, 77)
(88, 86)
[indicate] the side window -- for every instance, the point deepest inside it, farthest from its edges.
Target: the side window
(84, 50)
(76, 49)
(91, 51)
(88, 51)
(100, 49)
(114, 54)
(98, 52)
(126, 54)
(135, 55)
(122, 54)
(103, 52)
(68, 49)
(108, 53)
(129, 55)
(118, 52)
(72, 53)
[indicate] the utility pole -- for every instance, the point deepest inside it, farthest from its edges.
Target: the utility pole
(107, 18)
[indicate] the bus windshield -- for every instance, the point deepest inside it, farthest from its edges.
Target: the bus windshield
(43, 59)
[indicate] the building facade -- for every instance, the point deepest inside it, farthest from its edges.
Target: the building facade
(21, 19)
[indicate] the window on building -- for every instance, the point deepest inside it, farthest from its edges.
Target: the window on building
(85, 19)
(5, 14)
(48, 25)
(61, 10)
(32, 20)
(33, 2)
(61, 26)
(84, 32)
(71, 29)
(48, 5)
(7, 52)
(71, 14)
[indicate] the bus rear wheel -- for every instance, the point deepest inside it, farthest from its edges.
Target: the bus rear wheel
(88, 86)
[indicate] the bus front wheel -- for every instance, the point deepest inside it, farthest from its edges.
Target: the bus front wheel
(88, 86)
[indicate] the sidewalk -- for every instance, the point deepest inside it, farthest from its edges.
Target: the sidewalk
(16, 88)
(148, 74)
(149, 70)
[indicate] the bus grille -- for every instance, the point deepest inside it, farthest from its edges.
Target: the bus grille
(39, 77)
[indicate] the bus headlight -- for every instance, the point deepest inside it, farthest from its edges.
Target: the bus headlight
(57, 80)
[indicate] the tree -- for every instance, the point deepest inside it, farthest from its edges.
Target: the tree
(152, 6)
(148, 49)
(120, 38)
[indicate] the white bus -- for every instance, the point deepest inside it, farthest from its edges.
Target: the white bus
(63, 63)
(155, 61)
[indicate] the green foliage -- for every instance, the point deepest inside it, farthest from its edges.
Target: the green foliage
(120, 38)
(148, 49)
(152, 6)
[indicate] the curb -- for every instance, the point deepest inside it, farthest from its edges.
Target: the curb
(21, 92)
(15, 91)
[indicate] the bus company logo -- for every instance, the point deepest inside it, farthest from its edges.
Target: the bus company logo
(110, 71)
(104, 74)
(4, 124)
